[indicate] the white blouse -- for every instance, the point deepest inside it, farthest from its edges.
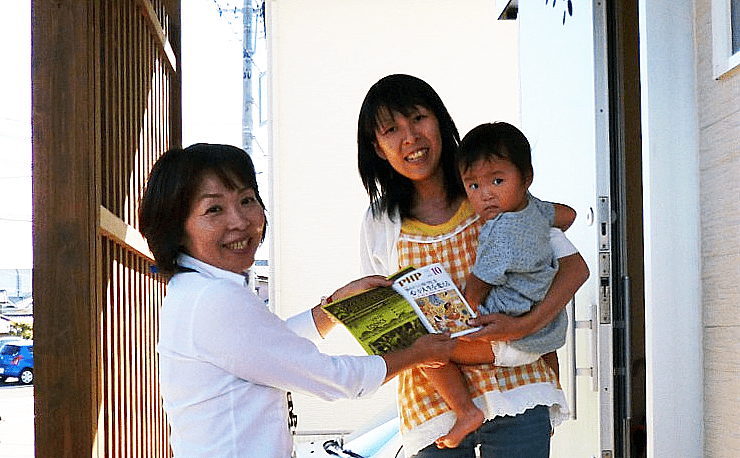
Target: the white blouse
(226, 362)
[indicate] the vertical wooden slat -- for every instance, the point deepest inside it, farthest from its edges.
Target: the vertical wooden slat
(133, 191)
(131, 125)
(125, 335)
(130, 431)
(141, 351)
(110, 349)
(114, 107)
(124, 120)
(116, 375)
(104, 24)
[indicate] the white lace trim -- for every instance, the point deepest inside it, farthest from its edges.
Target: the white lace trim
(493, 404)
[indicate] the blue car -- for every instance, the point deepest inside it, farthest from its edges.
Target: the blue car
(16, 360)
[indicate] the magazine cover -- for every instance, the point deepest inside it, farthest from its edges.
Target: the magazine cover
(438, 302)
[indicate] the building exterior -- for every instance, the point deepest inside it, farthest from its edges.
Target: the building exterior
(717, 89)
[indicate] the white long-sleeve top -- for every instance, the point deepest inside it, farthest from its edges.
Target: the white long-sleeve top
(226, 363)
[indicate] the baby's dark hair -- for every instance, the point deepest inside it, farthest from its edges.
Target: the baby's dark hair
(499, 139)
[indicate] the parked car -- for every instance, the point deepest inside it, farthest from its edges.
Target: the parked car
(16, 360)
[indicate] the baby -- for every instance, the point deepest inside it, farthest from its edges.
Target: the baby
(514, 265)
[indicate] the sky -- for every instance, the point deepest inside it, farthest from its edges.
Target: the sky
(15, 135)
(211, 72)
(212, 106)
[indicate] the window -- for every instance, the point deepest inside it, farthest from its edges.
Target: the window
(725, 36)
(10, 350)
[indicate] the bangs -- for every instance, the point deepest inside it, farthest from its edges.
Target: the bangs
(231, 165)
(401, 98)
(230, 177)
(384, 113)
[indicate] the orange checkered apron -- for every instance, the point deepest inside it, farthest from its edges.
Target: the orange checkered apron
(453, 244)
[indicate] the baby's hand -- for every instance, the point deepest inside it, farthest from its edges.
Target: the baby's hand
(495, 326)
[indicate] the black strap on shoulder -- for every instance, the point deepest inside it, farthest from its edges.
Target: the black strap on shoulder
(181, 269)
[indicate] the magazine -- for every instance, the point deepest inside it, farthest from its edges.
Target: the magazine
(420, 301)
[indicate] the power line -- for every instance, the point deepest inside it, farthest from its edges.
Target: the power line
(237, 14)
(16, 220)
(23, 121)
(10, 163)
(16, 137)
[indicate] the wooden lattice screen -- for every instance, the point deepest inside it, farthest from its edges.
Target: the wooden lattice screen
(106, 96)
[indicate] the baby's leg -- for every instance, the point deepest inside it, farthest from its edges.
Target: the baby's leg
(451, 385)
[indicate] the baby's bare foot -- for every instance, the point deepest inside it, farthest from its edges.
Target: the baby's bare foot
(466, 423)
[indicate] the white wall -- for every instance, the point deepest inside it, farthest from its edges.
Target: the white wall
(324, 57)
(672, 240)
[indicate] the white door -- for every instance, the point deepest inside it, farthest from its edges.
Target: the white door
(564, 115)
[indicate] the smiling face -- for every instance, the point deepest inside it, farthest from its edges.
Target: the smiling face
(495, 185)
(224, 227)
(412, 144)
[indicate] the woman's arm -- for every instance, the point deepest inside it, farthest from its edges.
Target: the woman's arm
(571, 274)
(430, 350)
(564, 215)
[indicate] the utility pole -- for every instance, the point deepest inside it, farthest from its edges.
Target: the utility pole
(248, 99)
